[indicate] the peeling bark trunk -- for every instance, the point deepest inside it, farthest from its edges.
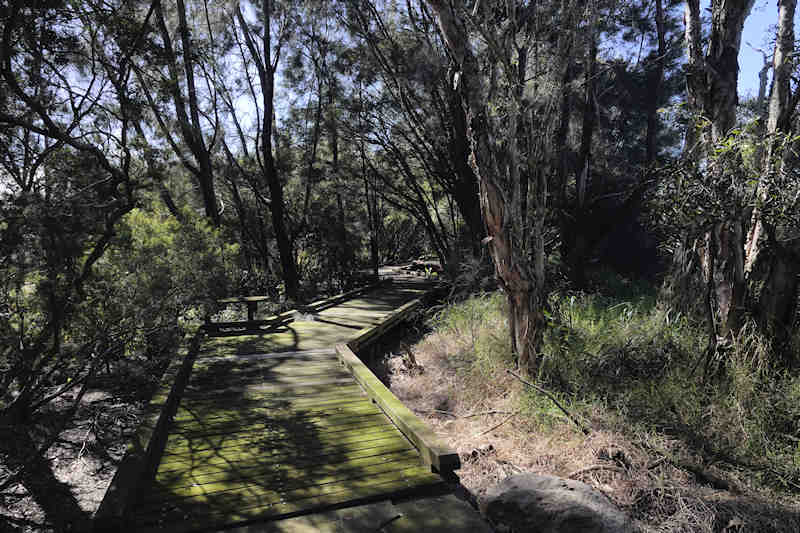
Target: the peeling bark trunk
(778, 119)
(499, 204)
(711, 81)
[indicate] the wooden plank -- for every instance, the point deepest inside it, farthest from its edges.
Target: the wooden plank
(209, 464)
(303, 355)
(274, 475)
(256, 377)
(188, 519)
(238, 371)
(377, 436)
(222, 450)
(266, 434)
(369, 335)
(277, 414)
(255, 496)
(182, 443)
(353, 394)
(335, 406)
(253, 394)
(278, 428)
(313, 386)
(319, 304)
(433, 450)
(261, 423)
(218, 458)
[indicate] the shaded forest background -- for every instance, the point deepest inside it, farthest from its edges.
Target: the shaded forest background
(155, 156)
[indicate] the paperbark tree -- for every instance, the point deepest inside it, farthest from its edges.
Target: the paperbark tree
(496, 160)
(711, 83)
(778, 300)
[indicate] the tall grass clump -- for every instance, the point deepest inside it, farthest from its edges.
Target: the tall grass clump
(480, 326)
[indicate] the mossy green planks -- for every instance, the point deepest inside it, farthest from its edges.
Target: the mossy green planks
(271, 423)
(434, 451)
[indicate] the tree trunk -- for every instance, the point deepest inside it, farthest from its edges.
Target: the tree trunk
(778, 118)
(465, 193)
(189, 124)
(778, 301)
(656, 80)
(579, 250)
(499, 206)
(712, 94)
(266, 72)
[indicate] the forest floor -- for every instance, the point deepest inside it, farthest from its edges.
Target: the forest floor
(490, 419)
(84, 456)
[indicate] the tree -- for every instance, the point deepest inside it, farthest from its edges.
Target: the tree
(68, 177)
(711, 86)
(507, 30)
(422, 121)
(778, 299)
(266, 61)
(192, 120)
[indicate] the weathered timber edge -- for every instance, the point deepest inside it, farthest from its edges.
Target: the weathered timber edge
(431, 448)
(146, 446)
(368, 335)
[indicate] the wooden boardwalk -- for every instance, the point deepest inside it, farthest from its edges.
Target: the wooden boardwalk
(272, 425)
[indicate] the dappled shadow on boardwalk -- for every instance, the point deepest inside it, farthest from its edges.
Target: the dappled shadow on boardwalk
(271, 425)
(261, 437)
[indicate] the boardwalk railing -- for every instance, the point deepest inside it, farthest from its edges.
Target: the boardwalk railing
(432, 449)
(144, 451)
(143, 456)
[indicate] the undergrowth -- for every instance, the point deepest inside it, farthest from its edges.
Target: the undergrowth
(619, 361)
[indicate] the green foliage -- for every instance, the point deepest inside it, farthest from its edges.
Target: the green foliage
(162, 270)
(480, 324)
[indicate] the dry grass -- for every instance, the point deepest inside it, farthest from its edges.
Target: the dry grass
(499, 429)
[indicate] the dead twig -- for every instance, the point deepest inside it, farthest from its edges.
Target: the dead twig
(611, 468)
(471, 415)
(552, 398)
(485, 413)
(512, 415)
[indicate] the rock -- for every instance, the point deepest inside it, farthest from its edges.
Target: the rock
(535, 503)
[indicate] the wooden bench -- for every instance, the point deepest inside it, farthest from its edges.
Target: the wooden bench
(251, 322)
(251, 301)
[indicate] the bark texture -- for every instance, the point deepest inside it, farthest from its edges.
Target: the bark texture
(711, 82)
(497, 170)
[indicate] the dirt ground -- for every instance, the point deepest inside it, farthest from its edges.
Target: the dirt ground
(85, 454)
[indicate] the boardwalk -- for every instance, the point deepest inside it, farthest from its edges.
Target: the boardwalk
(271, 425)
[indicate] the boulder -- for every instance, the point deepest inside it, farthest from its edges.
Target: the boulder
(535, 503)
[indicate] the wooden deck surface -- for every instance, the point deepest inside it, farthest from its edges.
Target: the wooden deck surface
(271, 425)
